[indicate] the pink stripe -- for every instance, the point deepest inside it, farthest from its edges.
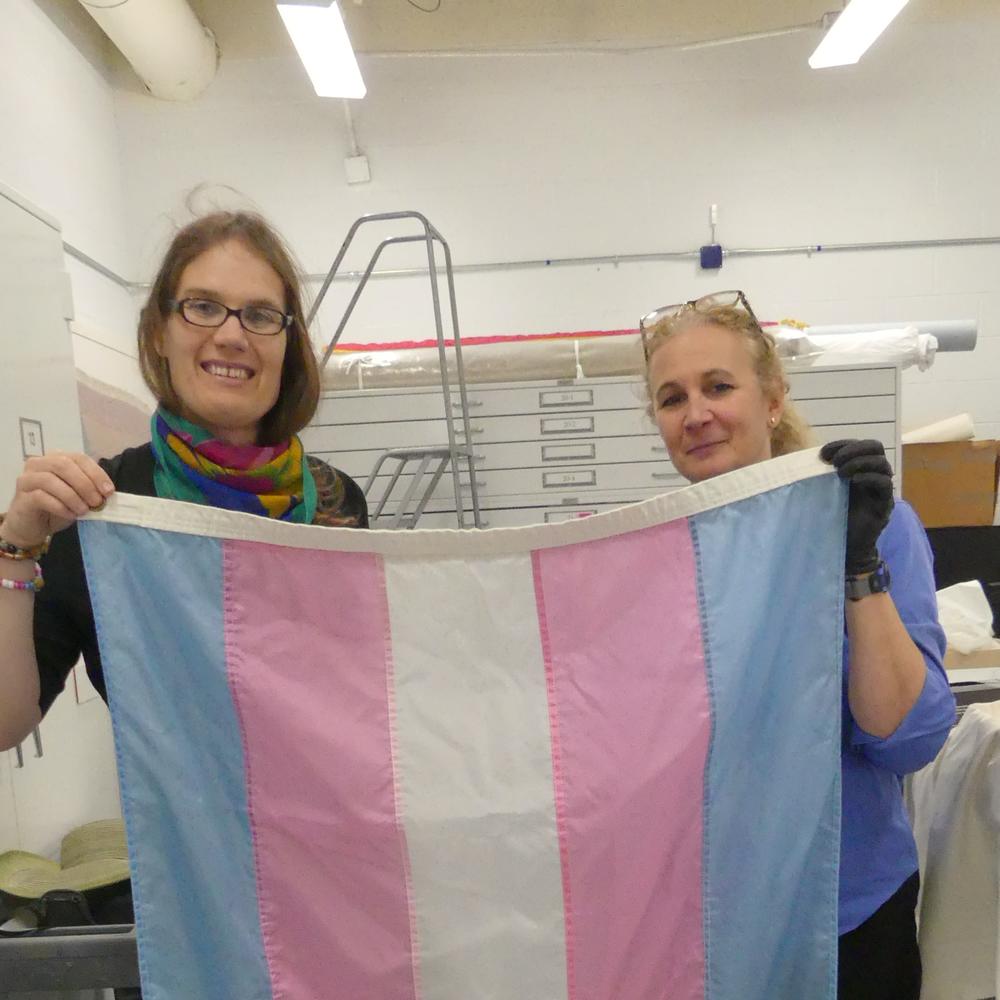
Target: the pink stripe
(497, 338)
(502, 338)
(558, 779)
(329, 850)
(631, 731)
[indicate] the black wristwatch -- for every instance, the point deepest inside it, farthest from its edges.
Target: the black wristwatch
(875, 582)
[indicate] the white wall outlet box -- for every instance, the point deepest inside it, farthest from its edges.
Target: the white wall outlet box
(357, 170)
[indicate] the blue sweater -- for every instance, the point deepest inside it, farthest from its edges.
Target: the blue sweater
(878, 852)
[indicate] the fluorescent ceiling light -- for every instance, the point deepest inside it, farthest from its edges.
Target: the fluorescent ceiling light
(319, 36)
(861, 22)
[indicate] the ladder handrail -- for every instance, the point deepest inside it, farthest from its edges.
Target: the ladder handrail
(430, 237)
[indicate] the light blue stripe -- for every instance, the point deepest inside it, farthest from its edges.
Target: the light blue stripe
(184, 799)
(771, 571)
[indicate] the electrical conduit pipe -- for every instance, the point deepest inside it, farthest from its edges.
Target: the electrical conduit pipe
(172, 52)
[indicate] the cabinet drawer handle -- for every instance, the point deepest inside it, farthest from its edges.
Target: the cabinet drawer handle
(472, 430)
(575, 477)
(583, 452)
(480, 484)
(558, 517)
(664, 475)
(658, 448)
(566, 397)
(471, 404)
(566, 425)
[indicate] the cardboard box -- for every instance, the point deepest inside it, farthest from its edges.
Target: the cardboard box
(981, 659)
(952, 484)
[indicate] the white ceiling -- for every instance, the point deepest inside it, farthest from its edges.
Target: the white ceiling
(249, 29)
(252, 28)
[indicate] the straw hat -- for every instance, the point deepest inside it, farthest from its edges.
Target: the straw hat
(91, 857)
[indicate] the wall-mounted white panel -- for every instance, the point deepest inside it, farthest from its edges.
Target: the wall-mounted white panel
(74, 781)
(38, 399)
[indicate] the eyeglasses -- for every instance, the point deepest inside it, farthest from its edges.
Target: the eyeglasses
(716, 300)
(261, 320)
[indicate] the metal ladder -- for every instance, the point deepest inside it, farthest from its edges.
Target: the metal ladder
(425, 456)
(454, 453)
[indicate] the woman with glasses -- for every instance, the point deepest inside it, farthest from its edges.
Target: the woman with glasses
(223, 347)
(718, 390)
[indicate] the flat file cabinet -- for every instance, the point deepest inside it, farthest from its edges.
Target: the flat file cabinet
(557, 449)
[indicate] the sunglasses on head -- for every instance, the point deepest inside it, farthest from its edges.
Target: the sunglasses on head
(734, 299)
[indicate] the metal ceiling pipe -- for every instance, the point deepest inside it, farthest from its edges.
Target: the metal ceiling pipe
(171, 51)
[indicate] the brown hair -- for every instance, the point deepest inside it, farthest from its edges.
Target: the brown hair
(298, 395)
(791, 433)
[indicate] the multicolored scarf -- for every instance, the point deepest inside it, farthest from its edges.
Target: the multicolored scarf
(271, 480)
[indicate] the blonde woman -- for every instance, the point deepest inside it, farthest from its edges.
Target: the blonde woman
(718, 394)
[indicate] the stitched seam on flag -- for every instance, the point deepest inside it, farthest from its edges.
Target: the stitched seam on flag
(706, 786)
(390, 691)
(558, 777)
(125, 791)
(841, 636)
(833, 937)
(232, 656)
(197, 519)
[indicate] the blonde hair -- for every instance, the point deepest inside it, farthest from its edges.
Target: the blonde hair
(792, 432)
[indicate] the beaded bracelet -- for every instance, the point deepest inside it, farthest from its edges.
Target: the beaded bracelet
(8, 550)
(33, 586)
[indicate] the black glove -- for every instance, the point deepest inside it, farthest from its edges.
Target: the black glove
(864, 465)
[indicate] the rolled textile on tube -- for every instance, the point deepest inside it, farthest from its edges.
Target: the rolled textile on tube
(957, 428)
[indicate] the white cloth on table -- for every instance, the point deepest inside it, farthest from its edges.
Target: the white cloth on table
(955, 804)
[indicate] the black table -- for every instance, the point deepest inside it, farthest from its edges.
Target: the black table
(70, 958)
(969, 554)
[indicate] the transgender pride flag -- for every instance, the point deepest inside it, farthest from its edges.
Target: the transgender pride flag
(596, 760)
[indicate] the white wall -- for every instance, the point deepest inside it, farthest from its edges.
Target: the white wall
(543, 157)
(60, 149)
(546, 157)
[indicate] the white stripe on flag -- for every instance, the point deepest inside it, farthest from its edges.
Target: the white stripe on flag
(475, 774)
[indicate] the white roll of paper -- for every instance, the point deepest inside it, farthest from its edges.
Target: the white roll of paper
(957, 428)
